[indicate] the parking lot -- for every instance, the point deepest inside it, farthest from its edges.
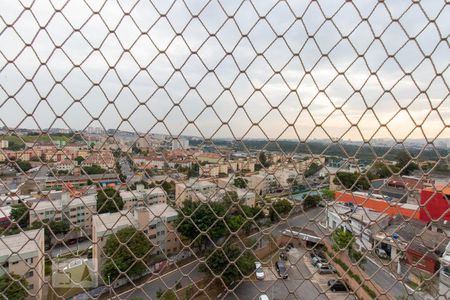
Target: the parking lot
(322, 280)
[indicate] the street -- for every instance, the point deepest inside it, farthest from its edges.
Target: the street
(186, 275)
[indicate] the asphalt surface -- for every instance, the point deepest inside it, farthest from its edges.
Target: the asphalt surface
(387, 281)
(186, 275)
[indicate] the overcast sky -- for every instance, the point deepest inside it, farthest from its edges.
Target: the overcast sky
(288, 69)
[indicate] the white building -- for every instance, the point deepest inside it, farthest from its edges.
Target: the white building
(23, 255)
(180, 144)
(4, 144)
(142, 197)
(363, 223)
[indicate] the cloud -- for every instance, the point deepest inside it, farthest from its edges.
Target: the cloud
(144, 62)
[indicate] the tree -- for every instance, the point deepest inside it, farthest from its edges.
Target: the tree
(313, 169)
(13, 286)
(193, 171)
(21, 215)
(343, 239)
(352, 181)
(94, 169)
(128, 251)
(230, 263)
(195, 217)
(405, 164)
(240, 183)
(109, 201)
(79, 160)
(311, 201)
(279, 208)
(22, 166)
(58, 227)
(230, 197)
(263, 159)
(328, 194)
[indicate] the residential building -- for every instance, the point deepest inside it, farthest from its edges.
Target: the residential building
(4, 144)
(379, 203)
(23, 255)
(262, 183)
(77, 211)
(142, 197)
(197, 190)
(212, 170)
(156, 221)
(361, 222)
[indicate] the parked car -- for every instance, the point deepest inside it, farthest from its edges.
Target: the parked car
(325, 268)
(318, 259)
(259, 271)
(281, 269)
(337, 285)
(263, 297)
(381, 253)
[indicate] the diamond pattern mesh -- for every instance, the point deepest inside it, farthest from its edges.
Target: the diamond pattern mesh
(224, 149)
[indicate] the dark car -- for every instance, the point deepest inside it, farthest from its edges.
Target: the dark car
(281, 269)
(337, 286)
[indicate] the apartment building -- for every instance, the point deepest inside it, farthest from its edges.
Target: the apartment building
(197, 190)
(23, 255)
(143, 197)
(78, 211)
(156, 221)
(262, 184)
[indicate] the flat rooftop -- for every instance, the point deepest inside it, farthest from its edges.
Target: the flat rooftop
(20, 246)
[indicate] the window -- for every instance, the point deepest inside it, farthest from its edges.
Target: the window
(29, 274)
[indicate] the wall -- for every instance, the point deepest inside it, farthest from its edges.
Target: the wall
(434, 207)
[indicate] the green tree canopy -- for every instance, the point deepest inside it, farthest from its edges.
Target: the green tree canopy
(109, 201)
(94, 169)
(343, 239)
(128, 251)
(311, 201)
(21, 215)
(22, 166)
(279, 208)
(195, 217)
(240, 183)
(220, 262)
(13, 287)
(79, 159)
(352, 181)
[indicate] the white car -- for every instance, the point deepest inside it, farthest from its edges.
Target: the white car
(259, 271)
(263, 297)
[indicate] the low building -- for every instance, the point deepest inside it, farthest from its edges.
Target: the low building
(156, 221)
(379, 203)
(362, 223)
(212, 170)
(23, 254)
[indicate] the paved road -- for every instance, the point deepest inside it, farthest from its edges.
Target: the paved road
(387, 281)
(187, 275)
